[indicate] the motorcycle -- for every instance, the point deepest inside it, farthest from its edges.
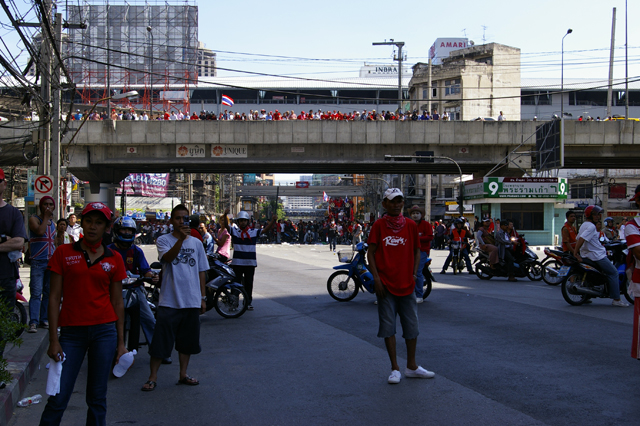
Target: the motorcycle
(457, 259)
(525, 263)
(353, 277)
(132, 308)
(223, 292)
(583, 280)
(551, 264)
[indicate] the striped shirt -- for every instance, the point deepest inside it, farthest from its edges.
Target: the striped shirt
(244, 249)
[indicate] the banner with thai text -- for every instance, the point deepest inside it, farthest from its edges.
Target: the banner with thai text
(145, 184)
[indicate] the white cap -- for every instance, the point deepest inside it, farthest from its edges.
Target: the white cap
(392, 193)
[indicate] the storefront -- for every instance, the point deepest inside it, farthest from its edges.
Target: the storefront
(537, 206)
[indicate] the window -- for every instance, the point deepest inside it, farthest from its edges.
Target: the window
(451, 87)
(448, 193)
(581, 190)
(525, 216)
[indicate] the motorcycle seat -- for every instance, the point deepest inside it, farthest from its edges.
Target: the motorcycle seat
(590, 263)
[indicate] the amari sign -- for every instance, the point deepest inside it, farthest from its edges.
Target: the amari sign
(506, 187)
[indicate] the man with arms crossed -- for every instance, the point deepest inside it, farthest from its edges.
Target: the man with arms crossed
(394, 257)
(182, 298)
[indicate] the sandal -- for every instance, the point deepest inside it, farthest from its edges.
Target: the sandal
(187, 380)
(150, 386)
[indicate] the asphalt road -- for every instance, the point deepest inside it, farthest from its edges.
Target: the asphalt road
(503, 353)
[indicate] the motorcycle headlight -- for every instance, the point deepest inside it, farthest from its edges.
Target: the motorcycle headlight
(129, 280)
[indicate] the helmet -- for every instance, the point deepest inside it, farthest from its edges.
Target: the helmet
(458, 221)
(124, 222)
(609, 219)
(591, 210)
(243, 215)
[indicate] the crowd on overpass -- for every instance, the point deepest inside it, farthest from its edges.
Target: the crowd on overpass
(263, 115)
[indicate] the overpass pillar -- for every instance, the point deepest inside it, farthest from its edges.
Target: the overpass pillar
(105, 193)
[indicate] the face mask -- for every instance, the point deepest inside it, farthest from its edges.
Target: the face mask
(416, 216)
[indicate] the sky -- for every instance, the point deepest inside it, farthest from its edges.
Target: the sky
(320, 40)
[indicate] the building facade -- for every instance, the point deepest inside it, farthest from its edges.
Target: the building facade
(206, 61)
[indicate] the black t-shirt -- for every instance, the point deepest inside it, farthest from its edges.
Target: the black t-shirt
(11, 225)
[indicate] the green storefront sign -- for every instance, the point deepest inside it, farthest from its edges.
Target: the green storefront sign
(507, 187)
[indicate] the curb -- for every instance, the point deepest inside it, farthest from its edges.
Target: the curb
(23, 361)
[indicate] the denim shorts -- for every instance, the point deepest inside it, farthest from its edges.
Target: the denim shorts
(391, 306)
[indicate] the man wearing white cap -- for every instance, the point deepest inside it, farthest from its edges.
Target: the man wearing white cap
(394, 257)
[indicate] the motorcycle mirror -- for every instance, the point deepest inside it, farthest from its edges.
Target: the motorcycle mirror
(156, 265)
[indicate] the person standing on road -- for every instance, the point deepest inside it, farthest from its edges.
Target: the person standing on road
(332, 233)
(394, 257)
(12, 237)
(42, 234)
(207, 239)
(425, 235)
(182, 298)
(224, 239)
(632, 237)
(86, 277)
(569, 233)
(244, 241)
(588, 245)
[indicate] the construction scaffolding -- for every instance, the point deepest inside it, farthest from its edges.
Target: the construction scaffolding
(148, 46)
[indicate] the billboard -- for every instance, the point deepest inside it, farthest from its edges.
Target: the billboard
(507, 187)
(145, 184)
(443, 46)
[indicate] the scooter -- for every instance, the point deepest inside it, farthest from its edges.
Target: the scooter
(527, 257)
(353, 277)
(525, 264)
(132, 308)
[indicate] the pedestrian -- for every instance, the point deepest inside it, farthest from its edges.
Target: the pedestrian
(632, 237)
(182, 298)
(12, 238)
(42, 234)
(394, 257)
(207, 239)
(86, 277)
(425, 236)
(223, 240)
(61, 233)
(74, 229)
(244, 241)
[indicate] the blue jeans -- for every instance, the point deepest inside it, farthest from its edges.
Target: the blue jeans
(39, 289)
(420, 278)
(101, 342)
(611, 273)
(147, 320)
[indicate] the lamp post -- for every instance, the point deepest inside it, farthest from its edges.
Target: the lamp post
(150, 31)
(434, 157)
(569, 31)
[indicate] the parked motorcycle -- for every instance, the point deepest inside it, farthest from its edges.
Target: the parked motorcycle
(583, 280)
(353, 277)
(551, 264)
(223, 291)
(132, 308)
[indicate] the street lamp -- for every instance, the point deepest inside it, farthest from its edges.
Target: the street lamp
(126, 95)
(149, 30)
(569, 31)
(439, 157)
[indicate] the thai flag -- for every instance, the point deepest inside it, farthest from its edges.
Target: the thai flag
(226, 100)
(325, 197)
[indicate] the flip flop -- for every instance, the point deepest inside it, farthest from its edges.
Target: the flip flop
(151, 386)
(187, 380)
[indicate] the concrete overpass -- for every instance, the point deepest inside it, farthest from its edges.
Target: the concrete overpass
(107, 151)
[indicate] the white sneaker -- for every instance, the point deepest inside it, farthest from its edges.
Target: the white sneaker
(419, 300)
(395, 377)
(419, 373)
(620, 303)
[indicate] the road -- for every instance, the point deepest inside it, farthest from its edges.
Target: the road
(504, 354)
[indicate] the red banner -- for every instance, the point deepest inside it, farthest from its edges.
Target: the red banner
(302, 184)
(145, 184)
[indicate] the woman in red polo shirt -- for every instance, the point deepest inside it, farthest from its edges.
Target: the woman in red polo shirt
(88, 277)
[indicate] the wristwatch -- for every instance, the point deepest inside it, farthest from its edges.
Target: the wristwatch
(204, 298)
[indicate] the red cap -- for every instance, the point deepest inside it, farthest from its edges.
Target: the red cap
(100, 207)
(1, 174)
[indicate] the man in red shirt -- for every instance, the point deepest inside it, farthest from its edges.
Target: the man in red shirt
(425, 235)
(394, 257)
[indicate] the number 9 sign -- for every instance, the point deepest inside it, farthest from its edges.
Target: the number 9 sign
(493, 187)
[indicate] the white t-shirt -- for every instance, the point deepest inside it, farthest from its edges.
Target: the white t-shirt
(592, 248)
(180, 278)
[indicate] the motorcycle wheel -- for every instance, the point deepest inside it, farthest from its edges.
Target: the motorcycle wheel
(19, 315)
(568, 292)
(138, 241)
(341, 287)
(480, 272)
(534, 271)
(427, 288)
(230, 302)
(549, 272)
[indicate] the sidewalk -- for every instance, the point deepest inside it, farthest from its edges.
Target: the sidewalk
(23, 362)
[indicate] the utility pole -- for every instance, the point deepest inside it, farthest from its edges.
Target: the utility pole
(427, 197)
(613, 46)
(399, 45)
(44, 162)
(55, 120)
